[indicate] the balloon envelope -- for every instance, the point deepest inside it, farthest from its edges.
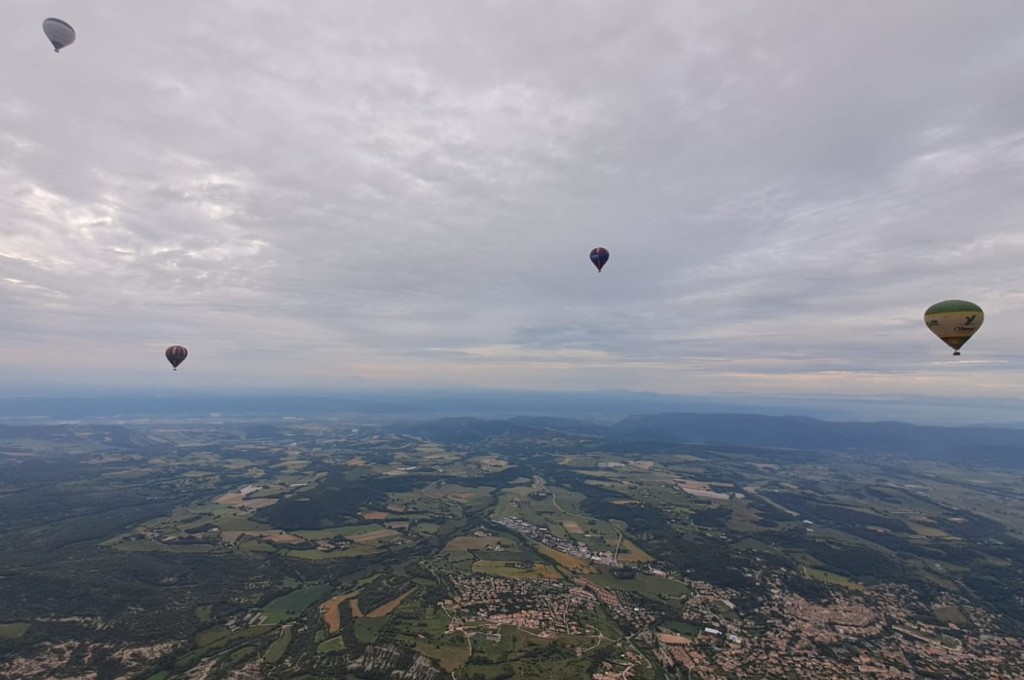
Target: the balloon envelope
(176, 354)
(59, 33)
(599, 256)
(954, 321)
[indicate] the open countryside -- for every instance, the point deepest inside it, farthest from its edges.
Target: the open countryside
(520, 556)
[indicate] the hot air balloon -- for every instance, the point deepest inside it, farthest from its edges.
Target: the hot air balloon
(954, 321)
(599, 256)
(176, 354)
(59, 33)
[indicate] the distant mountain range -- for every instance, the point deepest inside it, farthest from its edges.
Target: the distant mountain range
(990, 445)
(460, 416)
(604, 406)
(758, 434)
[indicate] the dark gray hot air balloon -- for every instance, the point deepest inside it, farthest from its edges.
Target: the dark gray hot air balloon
(59, 33)
(176, 354)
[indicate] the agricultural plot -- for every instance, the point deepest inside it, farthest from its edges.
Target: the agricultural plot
(573, 564)
(279, 647)
(331, 613)
(521, 655)
(426, 531)
(631, 553)
(218, 638)
(287, 607)
(357, 550)
(470, 543)
(13, 631)
(335, 644)
(830, 578)
(654, 587)
(366, 628)
(452, 655)
(517, 570)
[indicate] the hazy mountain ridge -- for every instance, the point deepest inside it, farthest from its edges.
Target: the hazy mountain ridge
(471, 430)
(796, 432)
(598, 406)
(759, 433)
(987, 444)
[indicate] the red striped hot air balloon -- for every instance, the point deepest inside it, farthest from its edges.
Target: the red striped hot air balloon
(176, 354)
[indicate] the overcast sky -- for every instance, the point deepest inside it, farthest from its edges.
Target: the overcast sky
(381, 194)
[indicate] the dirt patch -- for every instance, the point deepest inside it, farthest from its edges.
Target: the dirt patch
(572, 527)
(354, 606)
(567, 561)
(256, 503)
(276, 536)
(386, 609)
(329, 609)
(670, 639)
(704, 490)
(373, 535)
(374, 516)
(467, 543)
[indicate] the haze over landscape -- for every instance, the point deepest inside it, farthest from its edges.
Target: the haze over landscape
(378, 195)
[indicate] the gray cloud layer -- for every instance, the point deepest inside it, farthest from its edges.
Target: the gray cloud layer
(330, 194)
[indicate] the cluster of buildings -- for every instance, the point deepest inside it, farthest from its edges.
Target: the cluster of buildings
(551, 608)
(879, 632)
(875, 633)
(542, 535)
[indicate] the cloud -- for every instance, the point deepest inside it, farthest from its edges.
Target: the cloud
(408, 194)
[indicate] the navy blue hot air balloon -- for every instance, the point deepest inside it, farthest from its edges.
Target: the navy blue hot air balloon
(599, 256)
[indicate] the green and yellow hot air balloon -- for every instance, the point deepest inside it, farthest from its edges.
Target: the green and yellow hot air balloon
(954, 321)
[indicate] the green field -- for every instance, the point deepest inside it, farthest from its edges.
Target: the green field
(289, 606)
(682, 628)
(216, 638)
(646, 584)
(452, 655)
(334, 644)
(147, 545)
(829, 577)
(278, 648)
(356, 550)
(323, 534)
(519, 655)
(366, 628)
(508, 569)
(12, 631)
(950, 615)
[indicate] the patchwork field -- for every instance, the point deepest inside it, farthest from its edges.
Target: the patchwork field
(330, 612)
(512, 570)
(268, 551)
